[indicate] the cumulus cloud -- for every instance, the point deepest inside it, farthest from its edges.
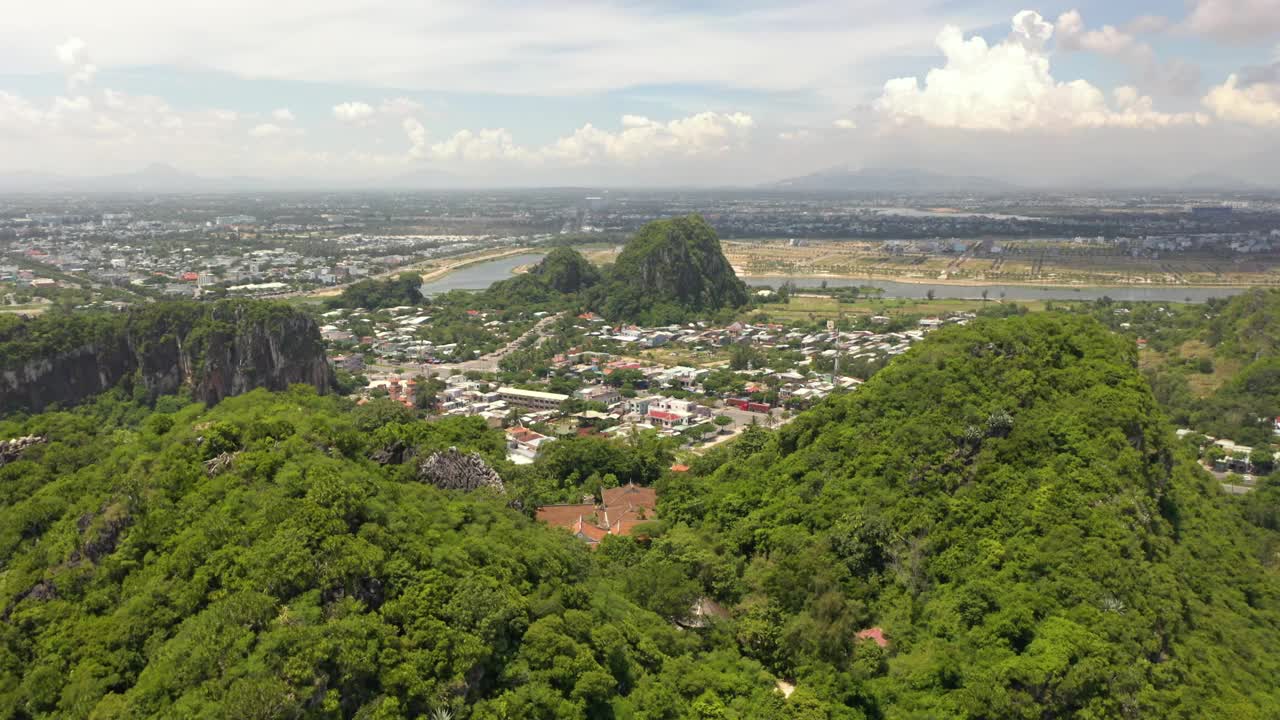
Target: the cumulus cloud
(273, 130)
(418, 149)
(845, 124)
(1255, 104)
(639, 140)
(479, 146)
(74, 56)
(1235, 21)
(1148, 24)
(1177, 76)
(642, 138)
(265, 130)
(400, 107)
(354, 113)
(1008, 86)
(1109, 40)
(283, 115)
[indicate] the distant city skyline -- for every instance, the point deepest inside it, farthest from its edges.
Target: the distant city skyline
(708, 93)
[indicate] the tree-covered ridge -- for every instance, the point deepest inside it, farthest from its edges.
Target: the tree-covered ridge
(566, 270)
(669, 270)
(1005, 501)
(266, 559)
(1215, 367)
(373, 294)
(1248, 326)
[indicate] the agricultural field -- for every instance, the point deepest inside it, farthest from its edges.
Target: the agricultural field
(805, 308)
(1004, 261)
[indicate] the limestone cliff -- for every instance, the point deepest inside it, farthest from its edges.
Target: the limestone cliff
(215, 349)
(669, 270)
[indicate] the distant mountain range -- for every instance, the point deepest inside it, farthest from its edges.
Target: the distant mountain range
(897, 180)
(912, 181)
(160, 178)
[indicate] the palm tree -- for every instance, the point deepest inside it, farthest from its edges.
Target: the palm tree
(442, 714)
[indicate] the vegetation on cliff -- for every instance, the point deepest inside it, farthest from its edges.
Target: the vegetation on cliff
(670, 270)
(214, 349)
(566, 271)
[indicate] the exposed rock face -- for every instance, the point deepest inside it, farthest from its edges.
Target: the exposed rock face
(11, 450)
(216, 349)
(455, 470)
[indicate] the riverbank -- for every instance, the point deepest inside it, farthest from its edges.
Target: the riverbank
(453, 264)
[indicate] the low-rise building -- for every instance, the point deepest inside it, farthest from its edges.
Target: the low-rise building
(532, 399)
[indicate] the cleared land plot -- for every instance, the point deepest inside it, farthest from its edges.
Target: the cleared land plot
(1017, 261)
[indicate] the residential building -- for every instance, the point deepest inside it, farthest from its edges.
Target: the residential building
(532, 399)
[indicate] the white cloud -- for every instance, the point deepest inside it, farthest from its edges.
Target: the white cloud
(283, 115)
(1235, 20)
(1177, 76)
(1008, 86)
(273, 130)
(74, 56)
(354, 113)
(17, 114)
(1257, 104)
(845, 124)
(1148, 24)
(479, 146)
(1109, 40)
(417, 133)
(502, 46)
(400, 107)
(642, 139)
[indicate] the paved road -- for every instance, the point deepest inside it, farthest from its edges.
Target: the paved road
(741, 421)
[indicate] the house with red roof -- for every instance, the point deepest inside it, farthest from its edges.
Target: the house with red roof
(619, 512)
(874, 634)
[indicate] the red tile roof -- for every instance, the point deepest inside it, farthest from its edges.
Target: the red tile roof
(876, 634)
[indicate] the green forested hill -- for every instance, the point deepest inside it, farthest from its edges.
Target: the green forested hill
(302, 579)
(1007, 504)
(1216, 367)
(1004, 502)
(667, 271)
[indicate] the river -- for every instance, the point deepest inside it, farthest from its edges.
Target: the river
(483, 274)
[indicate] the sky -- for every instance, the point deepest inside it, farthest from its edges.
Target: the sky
(694, 93)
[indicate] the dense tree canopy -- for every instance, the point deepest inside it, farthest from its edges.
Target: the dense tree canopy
(253, 561)
(669, 271)
(1004, 505)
